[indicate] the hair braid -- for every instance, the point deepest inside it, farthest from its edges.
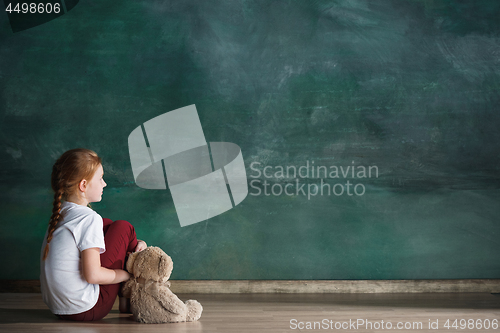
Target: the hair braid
(56, 215)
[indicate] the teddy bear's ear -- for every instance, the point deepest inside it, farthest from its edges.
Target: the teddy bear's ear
(165, 267)
(130, 262)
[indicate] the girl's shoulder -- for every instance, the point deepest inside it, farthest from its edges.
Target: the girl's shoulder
(72, 211)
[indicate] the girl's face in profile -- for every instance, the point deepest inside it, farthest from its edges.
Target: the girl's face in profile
(95, 186)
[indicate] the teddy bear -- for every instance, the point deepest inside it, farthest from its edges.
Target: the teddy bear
(151, 300)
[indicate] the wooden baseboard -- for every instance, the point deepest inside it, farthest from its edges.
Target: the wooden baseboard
(301, 286)
(19, 286)
(335, 286)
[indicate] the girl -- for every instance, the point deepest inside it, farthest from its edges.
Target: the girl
(83, 255)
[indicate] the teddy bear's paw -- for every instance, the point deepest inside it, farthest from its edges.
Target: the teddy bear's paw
(140, 319)
(194, 310)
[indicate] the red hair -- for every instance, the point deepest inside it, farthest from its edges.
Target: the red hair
(72, 167)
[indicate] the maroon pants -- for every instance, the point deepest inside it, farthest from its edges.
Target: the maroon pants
(119, 238)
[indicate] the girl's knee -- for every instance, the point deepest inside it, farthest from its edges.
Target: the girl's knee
(123, 225)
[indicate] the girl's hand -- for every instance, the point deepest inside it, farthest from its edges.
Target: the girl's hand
(141, 245)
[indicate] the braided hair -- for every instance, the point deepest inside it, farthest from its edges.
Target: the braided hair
(72, 167)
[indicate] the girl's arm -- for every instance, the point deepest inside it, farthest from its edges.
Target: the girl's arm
(95, 274)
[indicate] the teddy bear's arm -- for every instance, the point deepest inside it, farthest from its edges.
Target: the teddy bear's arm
(167, 299)
(127, 288)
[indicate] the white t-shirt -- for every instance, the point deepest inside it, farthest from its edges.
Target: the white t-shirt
(64, 289)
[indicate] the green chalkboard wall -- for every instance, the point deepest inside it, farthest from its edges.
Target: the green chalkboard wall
(410, 88)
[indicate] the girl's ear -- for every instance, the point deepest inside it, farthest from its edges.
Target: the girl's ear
(82, 186)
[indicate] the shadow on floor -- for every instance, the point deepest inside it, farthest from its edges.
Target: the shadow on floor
(44, 316)
(10, 316)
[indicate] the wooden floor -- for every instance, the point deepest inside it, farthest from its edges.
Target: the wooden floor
(278, 313)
